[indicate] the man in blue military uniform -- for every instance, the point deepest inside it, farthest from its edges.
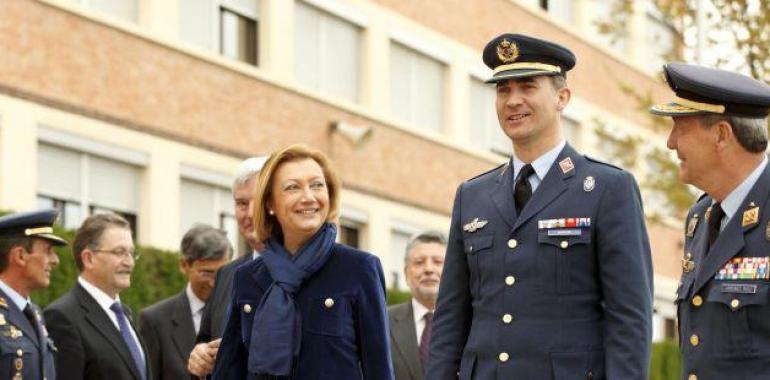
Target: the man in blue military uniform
(26, 261)
(720, 137)
(548, 269)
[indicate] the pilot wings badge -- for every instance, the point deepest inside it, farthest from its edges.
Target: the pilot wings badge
(476, 224)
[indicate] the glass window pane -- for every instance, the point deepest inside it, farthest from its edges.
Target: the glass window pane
(342, 57)
(307, 46)
(238, 36)
(395, 271)
(113, 184)
(196, 21)
(196, 205)
(400, 83)
(58, 172)
(416, 85)
(126, 10)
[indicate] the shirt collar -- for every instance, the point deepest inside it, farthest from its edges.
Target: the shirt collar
(541, 164)
(733, 201)
(254, 254)
(196, 304)
(104, 300)
(15, 297)
(419, 311)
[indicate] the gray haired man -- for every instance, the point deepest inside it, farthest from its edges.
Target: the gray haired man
(169, 327)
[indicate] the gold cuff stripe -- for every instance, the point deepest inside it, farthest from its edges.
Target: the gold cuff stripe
(714, 108)
(528, 65)
(38, 231)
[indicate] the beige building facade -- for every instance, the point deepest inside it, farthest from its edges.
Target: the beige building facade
(145, 107)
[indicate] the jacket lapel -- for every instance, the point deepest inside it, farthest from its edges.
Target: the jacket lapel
(405, 338)
(99, 319)
(731, 239)
(18, 319)
(502, 194)
(550, 187)
(183, 333)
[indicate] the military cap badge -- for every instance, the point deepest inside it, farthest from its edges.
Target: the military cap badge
(507, 51)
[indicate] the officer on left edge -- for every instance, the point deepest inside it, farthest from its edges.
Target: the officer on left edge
(26, 261)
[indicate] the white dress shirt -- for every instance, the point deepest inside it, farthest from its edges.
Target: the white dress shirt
(419, 318)
(541, 165)
(733, 201)
(196, 307)
(105, 301)
(15, 297)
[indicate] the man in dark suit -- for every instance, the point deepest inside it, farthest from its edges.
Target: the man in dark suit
(548, 273)
(93, 330)
(26, 261)
(203, 355)
(410, 322)
(720, 136)
(169, 326)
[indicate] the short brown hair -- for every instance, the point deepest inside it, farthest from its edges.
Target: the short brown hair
(90, 233)
(265, 223)
(8, 243)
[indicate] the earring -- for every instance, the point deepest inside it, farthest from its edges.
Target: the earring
(270, 212)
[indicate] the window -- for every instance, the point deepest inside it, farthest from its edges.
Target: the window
(350, 233)
(326, 52)
(395, 270)
(603, 12)
(126, 10)
(659, 40)
(80, 184)
(416, 88)
(208, 204)
(484, 129)
(230, 27)
(559, 9)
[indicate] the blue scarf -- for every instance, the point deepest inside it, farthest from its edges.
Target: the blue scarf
(277, 327)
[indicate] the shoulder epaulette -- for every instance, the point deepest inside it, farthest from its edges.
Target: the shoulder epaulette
(504, 167)
(589, 158)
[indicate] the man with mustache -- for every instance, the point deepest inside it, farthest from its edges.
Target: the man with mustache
(26, 260)
(719, 133)
(410, 322)
(93, 330)
(548, 273)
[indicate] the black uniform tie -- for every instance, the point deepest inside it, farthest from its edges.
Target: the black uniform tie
(522, 191)
(714, 222)
(32, 318)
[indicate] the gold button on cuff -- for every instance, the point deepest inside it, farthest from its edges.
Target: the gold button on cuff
(503, 357)
(692, 377)
(329, 303)
(512, 243)
(507, 318)
(564, 244)
(247, 308)
(510, 280)
(697, 301)
(694, 340)
(735, 303)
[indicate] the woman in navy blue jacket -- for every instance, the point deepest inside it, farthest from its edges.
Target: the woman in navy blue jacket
(307, 308)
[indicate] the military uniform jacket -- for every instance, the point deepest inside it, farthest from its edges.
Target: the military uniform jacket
(522, 298)
(724, 315)
(23, 355)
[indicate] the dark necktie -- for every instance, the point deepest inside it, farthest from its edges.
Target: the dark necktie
(425, 339)
(522, 191)
(133, 345)
(32, 318)
(715, 220)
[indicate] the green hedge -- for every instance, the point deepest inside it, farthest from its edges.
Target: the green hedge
(666, 363)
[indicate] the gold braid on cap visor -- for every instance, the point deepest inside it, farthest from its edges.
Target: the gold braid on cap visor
(713, 108)
(38, 231)
(528, 65)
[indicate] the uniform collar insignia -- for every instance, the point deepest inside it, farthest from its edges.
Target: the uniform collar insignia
(474, 225)
(3, 303)
(692, 225)
(750, 216)
(566, 165)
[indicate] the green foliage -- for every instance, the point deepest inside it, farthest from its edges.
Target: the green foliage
(623, 150)
(666, 363)
(156, 276)
(396, 296)
(663, 177)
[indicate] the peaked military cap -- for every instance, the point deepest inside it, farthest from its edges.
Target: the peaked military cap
(518, 56)
(37, 224)
(701, 90)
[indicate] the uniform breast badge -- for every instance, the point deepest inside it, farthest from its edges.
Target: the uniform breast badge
(589, 183)
(3, 303)
(745, 268)
(18, 364)
(767, 231)
(687, 264)
(474, 225)
(750, 216)
(566, 165)
(692, 225)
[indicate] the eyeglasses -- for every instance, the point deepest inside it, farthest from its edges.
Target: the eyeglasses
(121, 253)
